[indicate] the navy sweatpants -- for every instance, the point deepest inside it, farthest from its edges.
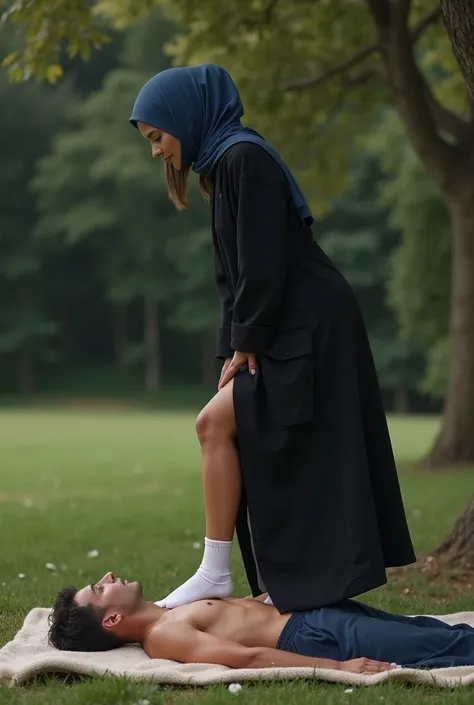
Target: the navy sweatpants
(352, 630)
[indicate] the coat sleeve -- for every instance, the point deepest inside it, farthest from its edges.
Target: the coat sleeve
(263, 253)
(224, 332)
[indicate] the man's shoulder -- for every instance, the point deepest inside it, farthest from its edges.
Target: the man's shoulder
(165, 636)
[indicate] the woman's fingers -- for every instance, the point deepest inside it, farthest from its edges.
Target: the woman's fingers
(238, 361)
(228, 374)
(252, 363)
(224, 368)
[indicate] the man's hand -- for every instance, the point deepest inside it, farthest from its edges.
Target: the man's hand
(364, 665)
(232, 366)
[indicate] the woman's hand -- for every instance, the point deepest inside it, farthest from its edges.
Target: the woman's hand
(232, 366)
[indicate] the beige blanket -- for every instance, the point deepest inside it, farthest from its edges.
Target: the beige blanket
(29, 654)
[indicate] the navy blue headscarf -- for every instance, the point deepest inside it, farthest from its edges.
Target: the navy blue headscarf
(201, 107)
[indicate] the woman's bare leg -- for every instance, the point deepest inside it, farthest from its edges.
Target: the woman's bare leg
(222, 482)
(222, 490)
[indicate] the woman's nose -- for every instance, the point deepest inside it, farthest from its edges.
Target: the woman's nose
(156, 152)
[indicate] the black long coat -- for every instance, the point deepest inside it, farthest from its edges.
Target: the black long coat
(321, 493)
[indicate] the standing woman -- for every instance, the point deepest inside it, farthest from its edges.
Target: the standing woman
(295, 446)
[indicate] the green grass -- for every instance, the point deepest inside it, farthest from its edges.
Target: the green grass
(128, 484)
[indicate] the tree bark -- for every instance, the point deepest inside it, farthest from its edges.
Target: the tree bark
(459, 545)
(455, 442)
(26, 371)
(458, 16)
(153, 376)
(119, 322)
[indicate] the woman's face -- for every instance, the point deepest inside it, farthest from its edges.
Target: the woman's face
(162, 143)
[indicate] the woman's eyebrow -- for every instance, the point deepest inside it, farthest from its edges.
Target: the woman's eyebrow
(149, 134)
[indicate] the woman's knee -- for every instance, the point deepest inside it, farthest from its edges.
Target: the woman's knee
(212, 427)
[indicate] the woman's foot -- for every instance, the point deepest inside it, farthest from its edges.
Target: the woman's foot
(212, 579)
(203, 585)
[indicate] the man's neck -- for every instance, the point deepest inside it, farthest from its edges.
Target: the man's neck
(145, 620)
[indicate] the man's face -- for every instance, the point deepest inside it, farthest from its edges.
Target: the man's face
(115, 595)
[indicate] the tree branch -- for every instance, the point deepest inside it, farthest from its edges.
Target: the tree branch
(380, 11)
(423, 24)
(360, 56)
(341, 68)
(447, 121)
(400, 12)
(416, 105)
(358, 79)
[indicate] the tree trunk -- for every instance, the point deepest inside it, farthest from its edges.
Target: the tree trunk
(152, 346)
(401, 399)
(26, 371)
(459, 545)
(455, 442)
(451, 164)
(208, 365)
(458, 16)
(119, 313)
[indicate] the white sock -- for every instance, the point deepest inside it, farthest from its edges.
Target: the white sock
(212, 579)
(216, 558)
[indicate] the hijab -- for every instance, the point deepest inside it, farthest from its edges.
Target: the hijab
(201, 107)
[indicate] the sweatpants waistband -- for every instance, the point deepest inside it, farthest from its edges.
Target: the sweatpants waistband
(289, 630)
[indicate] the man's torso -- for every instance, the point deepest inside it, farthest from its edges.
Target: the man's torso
(243, 621)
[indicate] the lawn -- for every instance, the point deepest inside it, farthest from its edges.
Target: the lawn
(127, 484)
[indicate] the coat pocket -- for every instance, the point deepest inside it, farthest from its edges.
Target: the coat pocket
(287, 367)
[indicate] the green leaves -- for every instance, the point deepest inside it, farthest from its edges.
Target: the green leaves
(99, 190)
(44, 25)
(267, 46)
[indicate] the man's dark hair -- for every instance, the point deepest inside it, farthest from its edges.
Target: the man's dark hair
(79, 628)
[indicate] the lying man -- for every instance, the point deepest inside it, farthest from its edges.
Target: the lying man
(246, 633)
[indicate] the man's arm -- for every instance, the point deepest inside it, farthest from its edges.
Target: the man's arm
(179, 641)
